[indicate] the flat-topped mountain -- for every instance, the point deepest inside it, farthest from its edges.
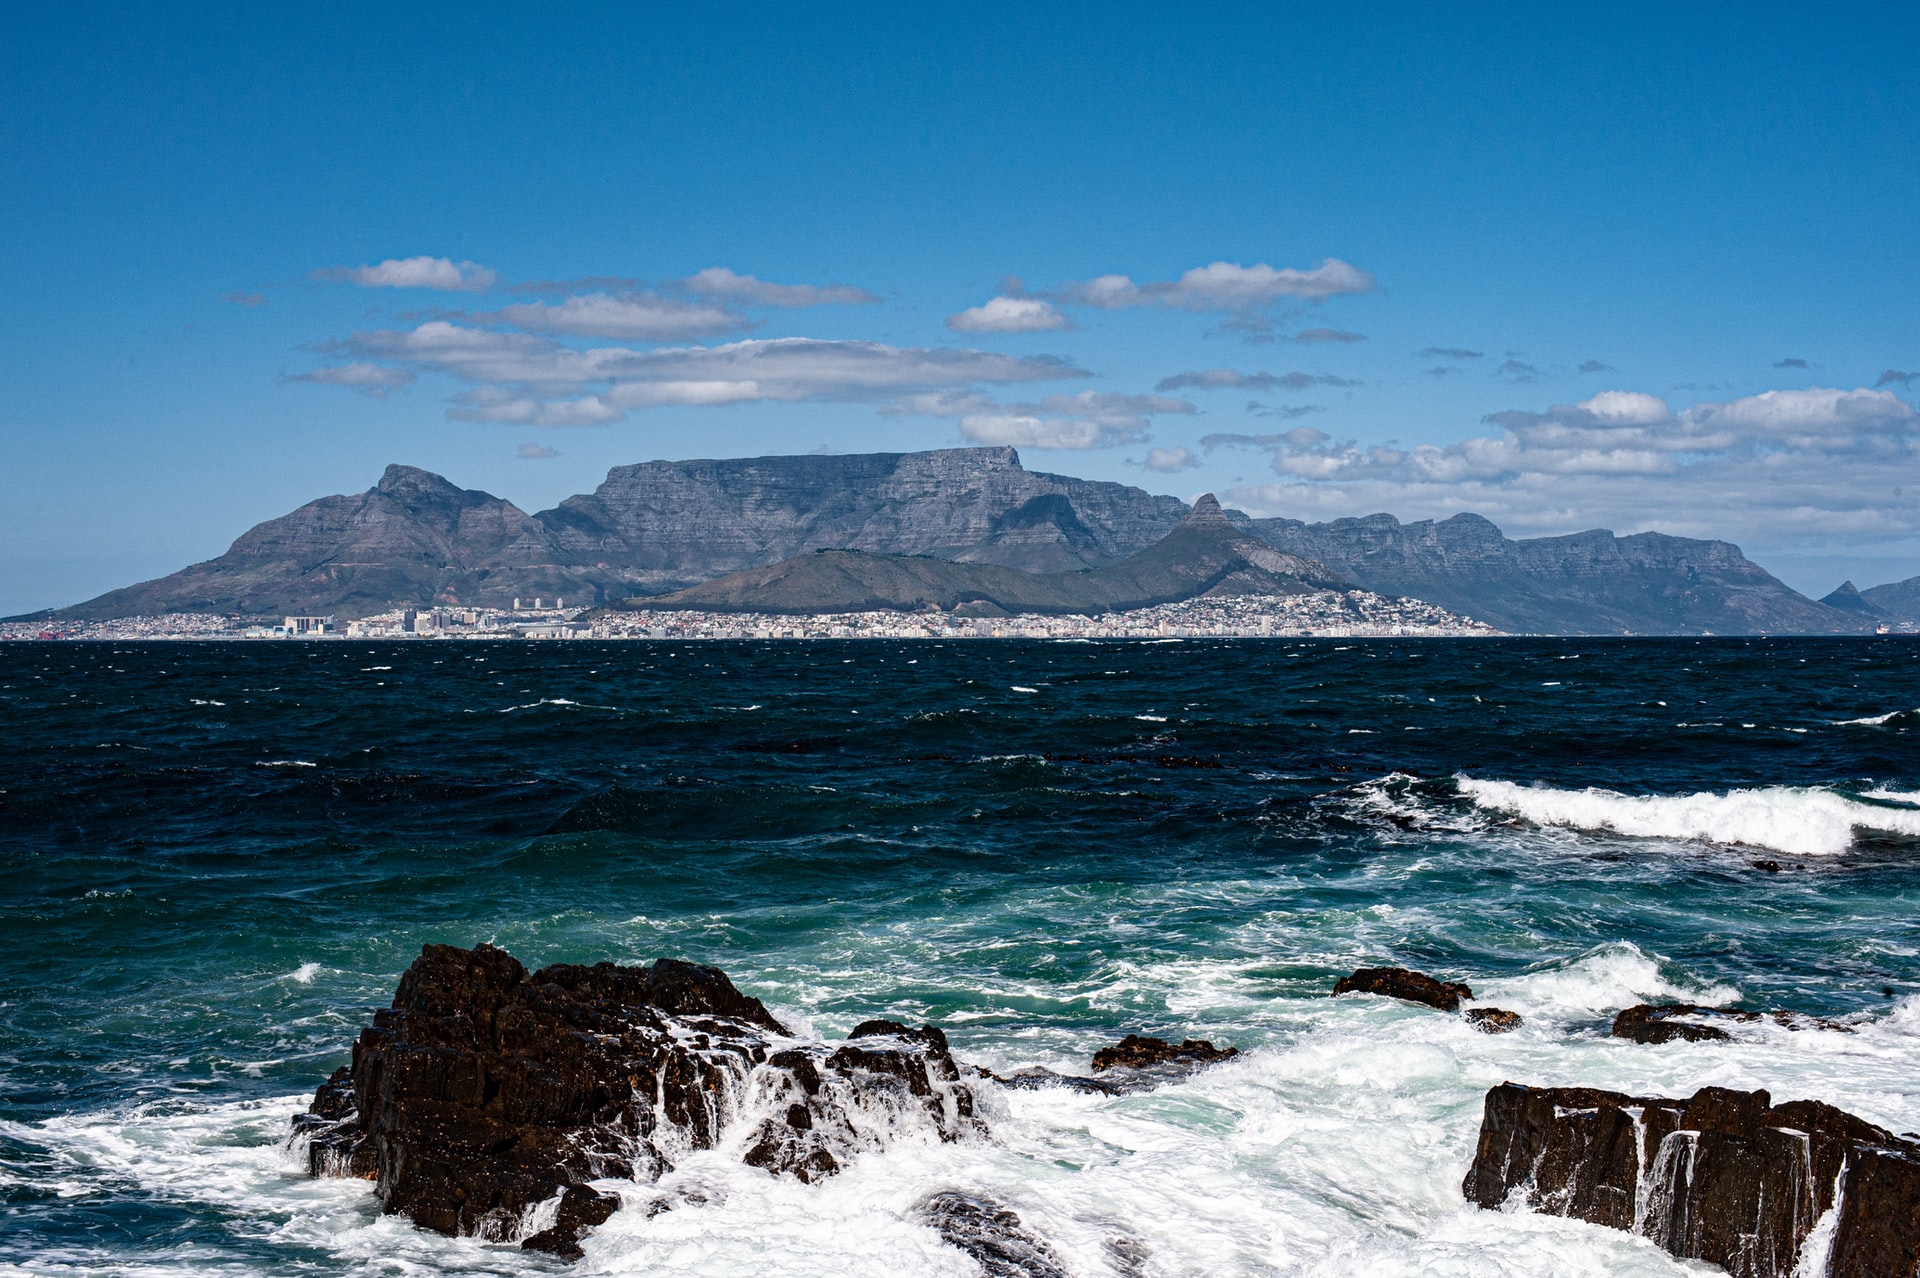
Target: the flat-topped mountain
(414, 538)
(1205, 555)
(1584, 583)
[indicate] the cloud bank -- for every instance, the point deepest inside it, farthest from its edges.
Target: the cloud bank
(1820, 461)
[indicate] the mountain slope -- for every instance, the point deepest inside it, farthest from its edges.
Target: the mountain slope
(1585, 583)
(1204, 555)
(1897, 601)
(413, 538)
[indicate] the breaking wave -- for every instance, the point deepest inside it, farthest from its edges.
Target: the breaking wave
(1796, 820)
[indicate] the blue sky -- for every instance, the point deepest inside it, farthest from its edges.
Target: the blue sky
(1652, 270)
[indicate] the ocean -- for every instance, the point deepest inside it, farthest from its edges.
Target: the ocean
(218, 859)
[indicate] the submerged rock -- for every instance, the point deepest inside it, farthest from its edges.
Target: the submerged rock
(1034, 1077)
(1403, 983)
(1136, 1051)
(992, 1235)
(1725, 1176)
(1494, 1020)
(486, 1099)
(1688, 1022)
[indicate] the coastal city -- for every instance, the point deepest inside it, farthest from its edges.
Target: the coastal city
(1353, 614)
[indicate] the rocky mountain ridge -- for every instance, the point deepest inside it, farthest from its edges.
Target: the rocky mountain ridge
(1205, 555)
(661, 526)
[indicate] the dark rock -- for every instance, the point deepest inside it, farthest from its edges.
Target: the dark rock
(1038, 1076)
(992, 1235)
(580, 1210)
(1136, 1051)
(1493, 1020)
(485, 1092)
(1687, 1022)
(1726, 1176)
(1399, 982)
(1767, 867)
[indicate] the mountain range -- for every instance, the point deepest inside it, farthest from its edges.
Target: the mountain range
(907, 529)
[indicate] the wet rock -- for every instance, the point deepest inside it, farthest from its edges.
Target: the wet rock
(1038, 1076)
(1725, 1176)
(1136, 1051)
(1688, 1022)
(992, 1235)
(486, 1099)
(1403, 983)
(1493, 1020)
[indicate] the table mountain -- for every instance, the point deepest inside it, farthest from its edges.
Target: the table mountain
(661, 526)
(1205, 554)
(415, 538)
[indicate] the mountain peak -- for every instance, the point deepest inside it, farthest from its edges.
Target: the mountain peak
(397, 478)
(1206, 510)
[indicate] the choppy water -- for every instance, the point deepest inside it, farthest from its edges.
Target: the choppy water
(218, 858)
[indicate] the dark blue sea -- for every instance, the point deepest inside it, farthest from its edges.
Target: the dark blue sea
(218, 858)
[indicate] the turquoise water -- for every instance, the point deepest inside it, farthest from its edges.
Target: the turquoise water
(220, 857)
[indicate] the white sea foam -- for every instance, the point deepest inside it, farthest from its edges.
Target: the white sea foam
(1797, 820)
(1878, 720)
(1333, 1146)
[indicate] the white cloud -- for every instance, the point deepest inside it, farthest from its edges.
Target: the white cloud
(1044, 432)
(1167, 460)
(1313, 336)
(1762, 469)
(524, 377)
(1009, 315)
(1233, 379)
(718, 281)
(369, 379)
(537, 452)
(1223, 286)
(1090, 419)
(646, 317)
(415, 272)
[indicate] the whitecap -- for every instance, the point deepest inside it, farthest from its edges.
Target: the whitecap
(1796, 820)
(1877, 720)
(304, 973)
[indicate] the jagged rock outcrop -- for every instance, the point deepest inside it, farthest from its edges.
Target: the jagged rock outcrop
(1206, 555)
(487, 1099)
(1726, 1176)
(992, 1235)
(1137, 1051)
(1494, 1020)
(1403, 983)
(1584, 583)
(1690, 1023)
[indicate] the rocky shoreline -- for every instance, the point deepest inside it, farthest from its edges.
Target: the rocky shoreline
(489, 1100)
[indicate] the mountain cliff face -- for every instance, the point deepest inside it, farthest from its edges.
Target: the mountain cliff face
(664, 525)
(657, 527)
(1584, 583)
(1204, 555)
(415, 538)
